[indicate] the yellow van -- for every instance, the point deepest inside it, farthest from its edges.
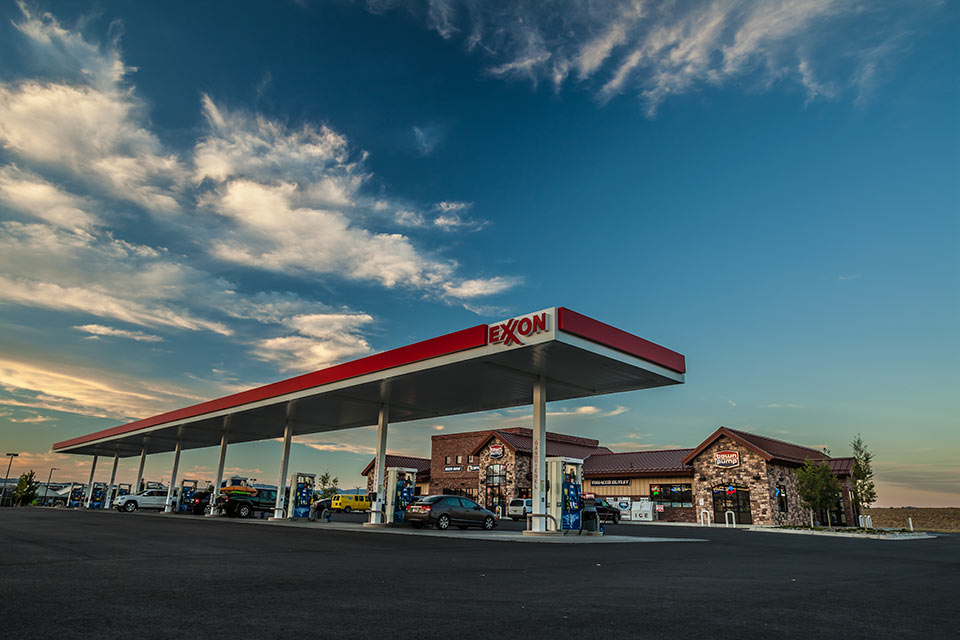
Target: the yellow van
(347, 502)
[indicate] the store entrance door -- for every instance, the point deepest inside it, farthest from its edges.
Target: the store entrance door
(495, 499)
(731, 497)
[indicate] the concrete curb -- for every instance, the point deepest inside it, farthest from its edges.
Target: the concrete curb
(851, 536)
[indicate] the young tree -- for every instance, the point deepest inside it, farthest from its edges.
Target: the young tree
(817, 488)
(327, 485)
(26, 491)
(864, 490)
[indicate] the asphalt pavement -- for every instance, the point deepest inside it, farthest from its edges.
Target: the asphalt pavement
(73, 574)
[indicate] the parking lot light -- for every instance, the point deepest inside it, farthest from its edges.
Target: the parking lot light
(6, 478)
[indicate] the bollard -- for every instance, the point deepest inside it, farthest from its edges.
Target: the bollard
(910, 520)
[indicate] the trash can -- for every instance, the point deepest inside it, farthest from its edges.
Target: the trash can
(590, 520)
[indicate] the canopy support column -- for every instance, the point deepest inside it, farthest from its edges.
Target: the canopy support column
(143, 461)
(538, 460)
(93, 469)
(108, 499)
(168, 507)
(223, 459)
(284, 462)
(376, 513)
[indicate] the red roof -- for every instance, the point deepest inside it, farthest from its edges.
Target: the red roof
(638, 463)
(774, 450)
(422, 465)
(558, 444)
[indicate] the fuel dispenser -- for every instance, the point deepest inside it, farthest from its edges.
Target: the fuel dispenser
(301, 495)
(564, 480)
(122, 489)
(75, 497)
(187, 489)
(99, 494)
(401, 483)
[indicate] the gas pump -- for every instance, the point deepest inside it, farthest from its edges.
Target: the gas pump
(301, 495)
(187, 489)
(99, 493)
(401, 484)
(75, 497)
(122, 489)
(564, 479)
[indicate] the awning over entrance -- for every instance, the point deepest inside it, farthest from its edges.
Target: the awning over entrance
(481, 368)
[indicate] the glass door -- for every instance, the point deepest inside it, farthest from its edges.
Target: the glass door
(731, 497)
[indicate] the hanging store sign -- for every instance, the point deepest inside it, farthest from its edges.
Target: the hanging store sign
(510, 332)
(496, 451)
(726, 459)
(610, 482)
(453, 468)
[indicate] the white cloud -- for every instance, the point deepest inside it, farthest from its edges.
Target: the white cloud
(466, 289)
(29, 193)
(449, 207)
(85, 391)
(53, 268)
(657, 50)
(85, 119)
(103, 330)
(31, 419)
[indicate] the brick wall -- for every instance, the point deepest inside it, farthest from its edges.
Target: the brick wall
(706, 475)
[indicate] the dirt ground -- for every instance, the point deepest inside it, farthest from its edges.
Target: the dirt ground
(944, 519)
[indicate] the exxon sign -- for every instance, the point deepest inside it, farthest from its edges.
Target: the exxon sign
(513, 331)
(726, 459)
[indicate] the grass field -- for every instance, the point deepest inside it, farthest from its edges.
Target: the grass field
(943, 519)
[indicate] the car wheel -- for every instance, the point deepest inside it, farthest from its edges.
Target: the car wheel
(488, 523)
(244, 511)
(130, 507)
(346, 509)
(443, 522)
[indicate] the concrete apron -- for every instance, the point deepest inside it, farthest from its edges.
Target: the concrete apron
(468, 534)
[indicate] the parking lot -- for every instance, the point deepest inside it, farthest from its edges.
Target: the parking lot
(105, 574)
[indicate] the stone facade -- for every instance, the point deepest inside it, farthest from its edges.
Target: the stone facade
(762, 478)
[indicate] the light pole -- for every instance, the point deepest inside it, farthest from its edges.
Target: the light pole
(46, 493)
(6, 478)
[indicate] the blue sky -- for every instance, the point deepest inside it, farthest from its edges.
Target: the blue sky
(193, 205)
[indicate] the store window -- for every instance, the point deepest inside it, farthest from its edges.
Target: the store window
(780, 493)
(672, 495)
(459, 459)
(471, 459)
(448, 460)
(496, 475)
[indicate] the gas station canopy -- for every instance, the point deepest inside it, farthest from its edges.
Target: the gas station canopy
(482, 368)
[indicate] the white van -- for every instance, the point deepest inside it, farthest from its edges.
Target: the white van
(519, 508)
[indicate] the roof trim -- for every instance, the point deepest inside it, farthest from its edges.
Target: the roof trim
(419, 351)
(493, 434)
(585, 327)
(723, 431)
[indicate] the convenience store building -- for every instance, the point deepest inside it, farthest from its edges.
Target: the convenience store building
(731, 470)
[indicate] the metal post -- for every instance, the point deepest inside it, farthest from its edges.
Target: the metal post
(143, 461)
(223, 458)
(376, 513)
(108, 499)
(284, 463)
(93, 468)
(538, 460)
(168, 507)
(6, 479)
(910, 520)
(49, 478)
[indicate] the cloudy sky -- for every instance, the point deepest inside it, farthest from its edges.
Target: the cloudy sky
(194, 201)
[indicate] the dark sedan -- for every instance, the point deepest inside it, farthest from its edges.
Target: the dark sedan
(606, 511)
(444, 511)
(197, 504)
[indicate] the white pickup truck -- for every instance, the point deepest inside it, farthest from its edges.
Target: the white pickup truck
(149, 499)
